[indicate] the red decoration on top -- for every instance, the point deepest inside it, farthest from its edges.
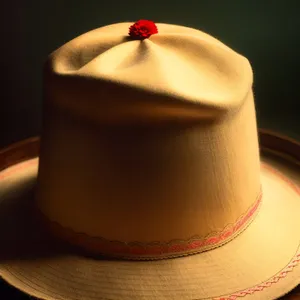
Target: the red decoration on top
(142, 29)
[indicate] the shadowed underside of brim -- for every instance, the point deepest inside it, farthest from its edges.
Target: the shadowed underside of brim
(261, 263)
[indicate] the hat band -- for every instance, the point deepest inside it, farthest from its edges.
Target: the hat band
(153, 250)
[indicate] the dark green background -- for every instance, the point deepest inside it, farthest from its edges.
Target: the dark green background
(266, 31)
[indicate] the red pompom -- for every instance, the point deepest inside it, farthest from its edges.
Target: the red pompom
(142, 29)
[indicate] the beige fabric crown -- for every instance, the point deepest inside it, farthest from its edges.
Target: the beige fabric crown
(158, 184)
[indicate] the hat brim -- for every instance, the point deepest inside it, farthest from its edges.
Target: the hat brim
(260, 263)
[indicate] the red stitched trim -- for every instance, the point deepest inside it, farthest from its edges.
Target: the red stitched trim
(266, 284)
(152, 250)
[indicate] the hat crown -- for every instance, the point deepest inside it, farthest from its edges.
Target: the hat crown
(179, 72)
(192, 176)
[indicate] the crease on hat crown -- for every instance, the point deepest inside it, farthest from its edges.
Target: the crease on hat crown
(186, 66)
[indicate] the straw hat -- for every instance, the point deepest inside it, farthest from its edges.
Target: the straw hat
(149, 183)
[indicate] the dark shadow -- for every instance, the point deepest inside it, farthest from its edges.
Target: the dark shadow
(22, 235)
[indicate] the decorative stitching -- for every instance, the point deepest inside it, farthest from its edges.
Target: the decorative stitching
(266, 284)
(153, 250)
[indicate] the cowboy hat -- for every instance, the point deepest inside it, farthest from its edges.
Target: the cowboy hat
(149, 182)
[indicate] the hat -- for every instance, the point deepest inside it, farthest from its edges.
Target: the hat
(149, 182)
